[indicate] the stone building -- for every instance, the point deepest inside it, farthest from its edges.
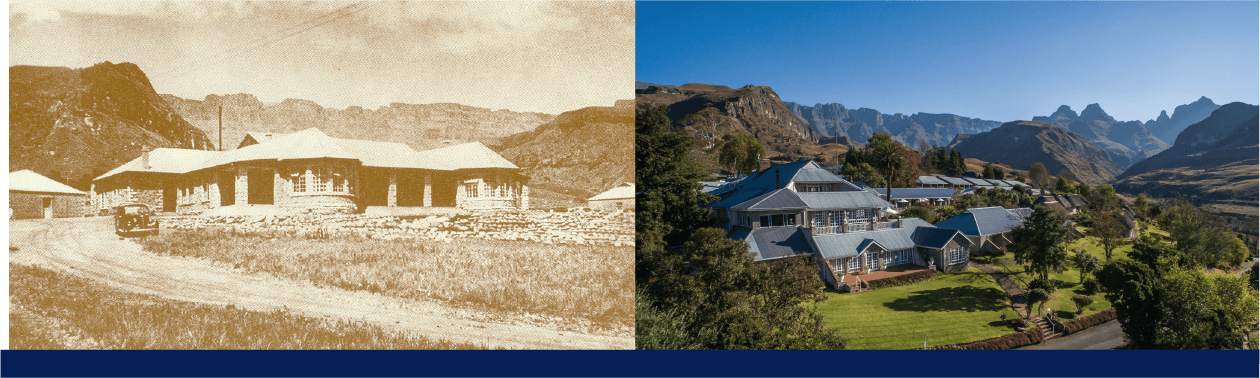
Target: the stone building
(32, 195)
(310, 172)
(619, 198)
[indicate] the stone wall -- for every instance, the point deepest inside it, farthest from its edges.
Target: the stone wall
(576, 227)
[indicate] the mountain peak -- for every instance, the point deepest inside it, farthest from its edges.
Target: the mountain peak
(1094, 112)
(1064, 109)
(1163, 116)
(1203, 100)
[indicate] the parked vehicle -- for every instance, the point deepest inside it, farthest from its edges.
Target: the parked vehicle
(134, 220)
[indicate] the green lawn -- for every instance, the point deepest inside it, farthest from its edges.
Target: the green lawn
(953, 308)
(1068, 280)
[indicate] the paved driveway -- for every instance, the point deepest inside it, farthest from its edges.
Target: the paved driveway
(1103, 336)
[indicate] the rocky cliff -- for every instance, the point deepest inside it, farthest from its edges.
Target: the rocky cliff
(420, 126)
(1166, 128)
(577, 155)
(1128, 139)
(752, 109)
(1020, 144)
(1215, 160)
(834, 120)
(75, 124)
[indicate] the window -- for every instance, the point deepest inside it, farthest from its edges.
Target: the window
(836, 216)
(300, 182)
(776, 220)
(955, 255)
(901, 257)
(790, 219)
(853, 264)
(470, 189)
(820, 218)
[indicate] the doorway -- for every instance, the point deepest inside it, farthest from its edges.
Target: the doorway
(261, 187)
(48, 213)
(227, 189)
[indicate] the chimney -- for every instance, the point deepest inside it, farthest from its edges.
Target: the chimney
(776, 174)
(145, 157)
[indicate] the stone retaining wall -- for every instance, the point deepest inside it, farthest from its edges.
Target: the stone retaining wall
(576, 227)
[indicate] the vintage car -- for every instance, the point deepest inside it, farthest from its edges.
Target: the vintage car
(134, 220)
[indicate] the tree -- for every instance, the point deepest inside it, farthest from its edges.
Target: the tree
(1132, 289)
(1062, 186)
(741, 152)
(1039, 243)
(957, 164)
(886, 156)
(1151, 252)
(1108, 227)
(1140, 205)
(988, 171)
(1083, 189)
(1037, 173)
(1204, 311)
(706, 123)
(921, 213)
(999, 173)
(865, 173)
(1036, 297)
(1107, 191)
(1086, 263)
(1081, 302)
(1255, 276)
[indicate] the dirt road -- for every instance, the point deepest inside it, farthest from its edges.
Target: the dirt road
(87, 247)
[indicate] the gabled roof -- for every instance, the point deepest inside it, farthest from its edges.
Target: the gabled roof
(985, 220)
(1014, 183)
(1077, 200)
(763, 181)
(931, 180)
(306, 144)
(842, 200)
(831, 246)
(781, 199)
(934, 237)
(375, 154)
(28, 181)
(954, 180)
(977, 181)
(256, 137)
(165, 160)
(775, 242)
(620, 192)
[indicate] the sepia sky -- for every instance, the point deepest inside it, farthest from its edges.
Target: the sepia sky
(546, 57)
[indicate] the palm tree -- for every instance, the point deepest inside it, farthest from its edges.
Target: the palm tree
(887, 158)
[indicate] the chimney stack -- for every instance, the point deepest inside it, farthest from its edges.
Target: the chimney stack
(145, 157)
(776, 175)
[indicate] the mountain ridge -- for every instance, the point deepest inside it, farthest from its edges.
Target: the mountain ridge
(1019, 144)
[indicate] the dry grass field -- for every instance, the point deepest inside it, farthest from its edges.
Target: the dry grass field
(51, 310)
(588, 284)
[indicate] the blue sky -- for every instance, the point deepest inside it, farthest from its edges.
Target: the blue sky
(1000, 61)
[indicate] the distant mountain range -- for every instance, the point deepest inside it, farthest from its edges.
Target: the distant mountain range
(420, 126)
(1130, 139)
(1214, 160)
(75, 124)
(577, 155)
(1019, 144)
(1166, 128)
(834, 120)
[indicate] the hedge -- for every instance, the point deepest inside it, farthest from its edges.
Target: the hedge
(1010, 341)
(1084, 322)
(902, 280)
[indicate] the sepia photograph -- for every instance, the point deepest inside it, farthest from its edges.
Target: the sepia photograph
(321, 175)
(943, 176)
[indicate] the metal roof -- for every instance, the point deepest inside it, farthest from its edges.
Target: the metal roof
(842, 200)
(620, 192)
(1014, 183)
(954, 180)
(776, 242)
(813, 173)
(977, 181)
(831, 246)
(781, 199)
(931, 180)
(28, 181)
(763, 181)
(461, 156)
(306, 144)
(985, 220)
(921, 192)
(934, 237)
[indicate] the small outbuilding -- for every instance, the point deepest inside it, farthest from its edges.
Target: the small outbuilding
(32, 195)
(619, 198)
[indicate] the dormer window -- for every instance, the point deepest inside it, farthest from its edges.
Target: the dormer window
(778, 220)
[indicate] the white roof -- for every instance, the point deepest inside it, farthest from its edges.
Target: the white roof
(620, 192)
(28, 181)
(165, 160)
(461, 156)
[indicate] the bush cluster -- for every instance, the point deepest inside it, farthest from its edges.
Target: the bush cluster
(1010, 341)
(1084, 322)
(902, 280)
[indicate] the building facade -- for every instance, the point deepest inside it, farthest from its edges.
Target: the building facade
(32, 195)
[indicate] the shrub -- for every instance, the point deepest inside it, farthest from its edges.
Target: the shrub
(1020, 322)
(1081, 301)
(902, 280)
(1090, 285)
(1084, 322)
(1011, 341)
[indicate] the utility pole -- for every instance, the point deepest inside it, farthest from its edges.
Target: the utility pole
(220, 127)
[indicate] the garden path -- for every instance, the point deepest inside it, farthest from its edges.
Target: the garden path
(1019, 301)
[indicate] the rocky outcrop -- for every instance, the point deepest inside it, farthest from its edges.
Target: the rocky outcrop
(834, 120)
(419, 126)
(1166, 128)
(76, 124)
(1020, 144)
(1128, 139)
(756, 110)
